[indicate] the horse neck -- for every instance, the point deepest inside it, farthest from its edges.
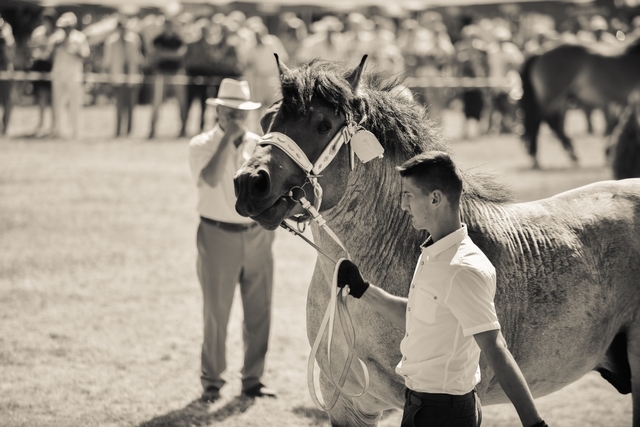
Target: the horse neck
(374, 229)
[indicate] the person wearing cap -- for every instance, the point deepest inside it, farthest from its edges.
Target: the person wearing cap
(122, 59)
(449, 317)
(230, 249)
(41, 50)
(70, 49)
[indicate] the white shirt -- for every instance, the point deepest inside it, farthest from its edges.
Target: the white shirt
(450, 300)
(68, 53)
(219, 202)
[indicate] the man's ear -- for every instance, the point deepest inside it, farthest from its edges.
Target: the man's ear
(436, 197)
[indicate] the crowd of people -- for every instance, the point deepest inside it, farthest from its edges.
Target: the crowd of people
(186, 57)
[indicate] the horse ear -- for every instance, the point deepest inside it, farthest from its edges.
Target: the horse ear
(356, 74)
(267, 118)
(282, 67)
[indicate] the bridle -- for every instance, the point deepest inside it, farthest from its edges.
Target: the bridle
(313, 170)
(298, 195)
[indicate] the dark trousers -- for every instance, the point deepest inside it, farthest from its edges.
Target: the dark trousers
(6, 101)
(126, 99)
(441, 410)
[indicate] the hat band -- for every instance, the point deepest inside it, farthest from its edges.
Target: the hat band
(233, 99)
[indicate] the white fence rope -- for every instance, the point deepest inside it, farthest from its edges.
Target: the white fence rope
(181, 79)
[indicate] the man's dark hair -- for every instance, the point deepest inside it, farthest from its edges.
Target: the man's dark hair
(434, 170)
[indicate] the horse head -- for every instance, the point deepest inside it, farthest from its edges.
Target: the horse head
(317, 103)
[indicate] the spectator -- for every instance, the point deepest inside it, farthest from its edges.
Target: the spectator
(70, 48)
(326, 43)
(600, 28)
(293, 31)
(504, 60)
(7, 56)
(123, 57)
(199, 63)
(41, 49)
(262, 70)
(167, 61)
(230, 249)
(471, 62)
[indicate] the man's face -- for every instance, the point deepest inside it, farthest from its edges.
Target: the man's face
(421, 206)
(226, 115)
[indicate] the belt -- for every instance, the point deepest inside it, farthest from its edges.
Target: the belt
(229, 226)
(418, 398)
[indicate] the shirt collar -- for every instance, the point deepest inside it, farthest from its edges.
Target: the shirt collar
(433, 249)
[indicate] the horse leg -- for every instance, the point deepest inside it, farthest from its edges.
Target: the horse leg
(612, 115)
(633, 354)
(347, 412)
(556, 123)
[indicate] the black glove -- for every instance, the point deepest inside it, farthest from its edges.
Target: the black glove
(348, 274)
(540, 424)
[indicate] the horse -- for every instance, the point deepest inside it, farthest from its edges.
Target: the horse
(568, 293)
(624, 148)
(592, 76)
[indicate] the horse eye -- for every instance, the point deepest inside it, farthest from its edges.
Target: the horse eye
(324, 127)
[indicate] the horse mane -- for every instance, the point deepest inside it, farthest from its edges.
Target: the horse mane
(402, 126)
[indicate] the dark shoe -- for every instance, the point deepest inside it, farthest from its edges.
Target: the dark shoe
(259, 390)
(210, 395)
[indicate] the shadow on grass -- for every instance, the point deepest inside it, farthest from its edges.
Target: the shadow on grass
(318, 416)
(199, 414)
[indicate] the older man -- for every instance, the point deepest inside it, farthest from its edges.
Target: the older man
(230, 249)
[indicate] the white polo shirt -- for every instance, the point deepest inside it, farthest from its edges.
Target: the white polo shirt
(219, 202)
(450, 300)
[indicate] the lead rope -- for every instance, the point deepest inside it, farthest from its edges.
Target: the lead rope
(335, 304)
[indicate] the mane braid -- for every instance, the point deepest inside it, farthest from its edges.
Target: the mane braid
(403, 127)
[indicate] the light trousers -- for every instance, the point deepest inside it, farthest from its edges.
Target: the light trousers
(226, 258)
(67, 89)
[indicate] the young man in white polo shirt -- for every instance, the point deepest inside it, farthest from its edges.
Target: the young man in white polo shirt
(230, 249)
(449, 316)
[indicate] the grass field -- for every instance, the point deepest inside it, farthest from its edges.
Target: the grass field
(100, 308)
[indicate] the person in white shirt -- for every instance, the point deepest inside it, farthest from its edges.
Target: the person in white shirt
(449, 316)
(70, 49)
(230, 249)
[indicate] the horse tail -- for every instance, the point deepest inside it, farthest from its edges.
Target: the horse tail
(530, 107)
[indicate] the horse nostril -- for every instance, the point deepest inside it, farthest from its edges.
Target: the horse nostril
(260, 184)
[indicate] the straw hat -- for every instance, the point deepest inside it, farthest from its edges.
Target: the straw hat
(234, 94)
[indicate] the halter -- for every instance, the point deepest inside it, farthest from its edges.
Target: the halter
(313, 170)
(298, 194)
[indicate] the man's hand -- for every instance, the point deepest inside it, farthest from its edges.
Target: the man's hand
(235, 129)
(349, 275)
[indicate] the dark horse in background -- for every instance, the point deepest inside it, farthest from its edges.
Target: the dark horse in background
(624, 148)
(592, 75)
(568, 276)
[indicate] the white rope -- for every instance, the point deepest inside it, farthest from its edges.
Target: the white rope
(337, 303)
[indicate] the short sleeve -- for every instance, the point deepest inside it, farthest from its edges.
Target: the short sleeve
(471, 302)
